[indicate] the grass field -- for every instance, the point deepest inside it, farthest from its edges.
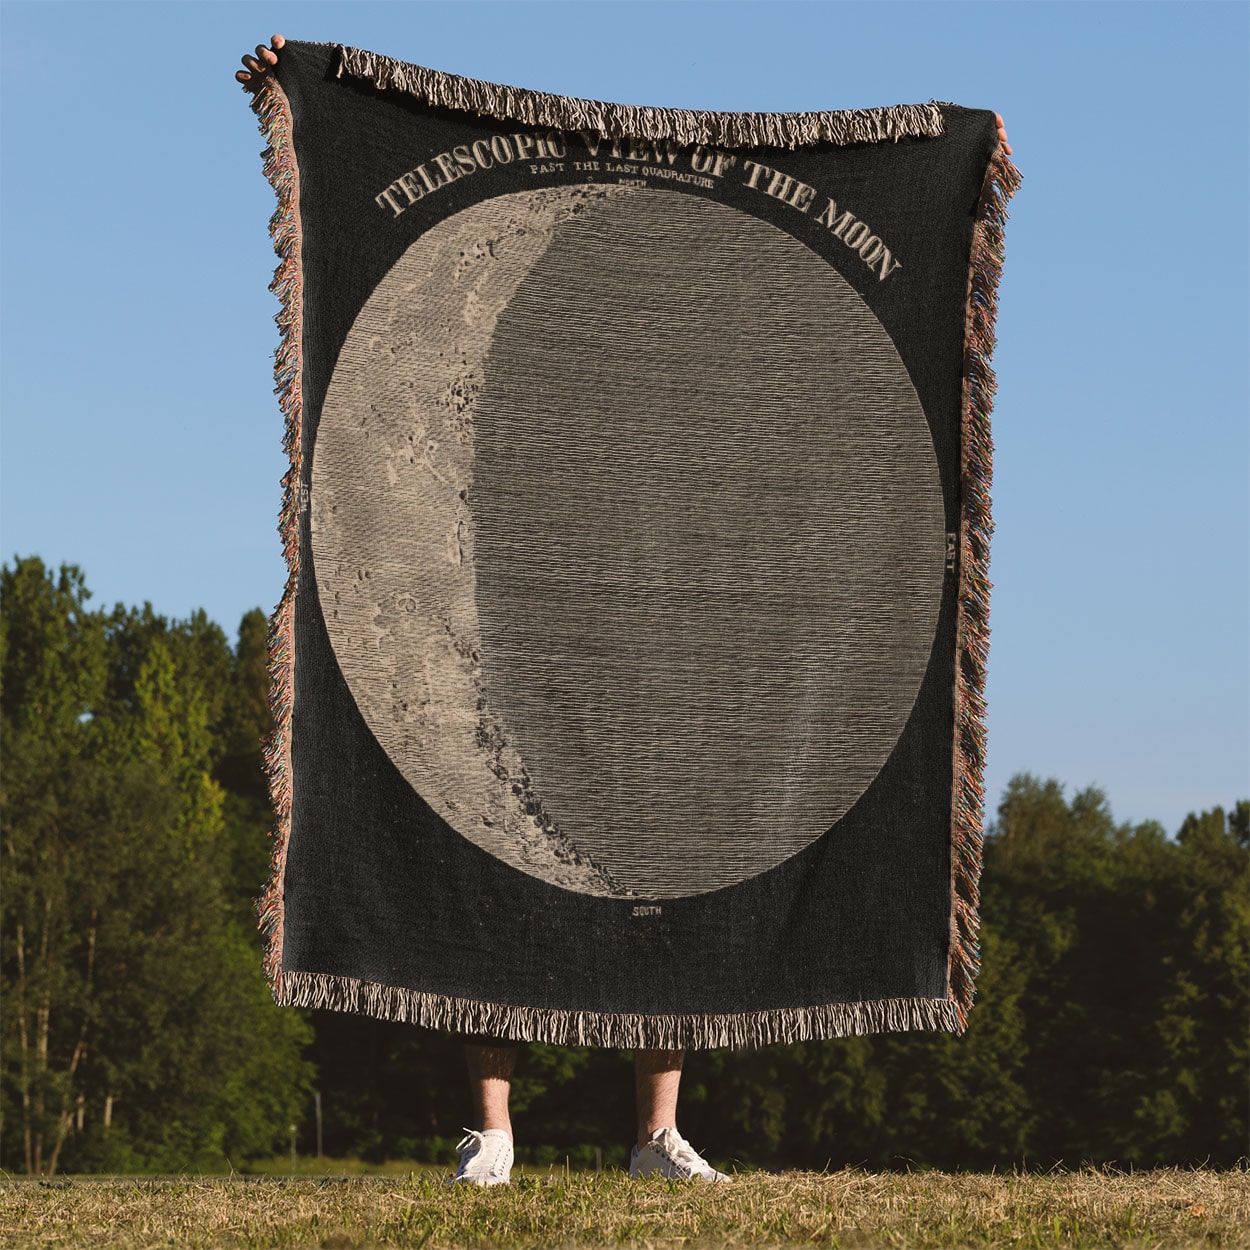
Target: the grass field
(841, 1209)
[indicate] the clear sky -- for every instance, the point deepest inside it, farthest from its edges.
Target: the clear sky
(141, 438)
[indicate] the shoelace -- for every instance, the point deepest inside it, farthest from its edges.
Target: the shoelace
(684, 1154)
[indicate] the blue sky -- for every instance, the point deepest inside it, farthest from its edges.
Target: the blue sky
(141, 438)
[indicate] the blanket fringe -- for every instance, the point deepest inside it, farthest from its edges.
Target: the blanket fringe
(681, 126)
(739, 1031)
(1002, 179)
(274, 113)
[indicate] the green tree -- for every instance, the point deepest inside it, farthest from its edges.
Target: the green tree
(1198, 1108)
(53, 667)
(246, 721)
(141, 1032)
(1134, 950)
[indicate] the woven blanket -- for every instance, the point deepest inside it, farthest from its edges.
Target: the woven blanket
(628, 676)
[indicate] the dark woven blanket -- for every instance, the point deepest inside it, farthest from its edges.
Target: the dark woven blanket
(628, 677)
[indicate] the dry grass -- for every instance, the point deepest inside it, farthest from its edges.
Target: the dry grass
(842, 1209)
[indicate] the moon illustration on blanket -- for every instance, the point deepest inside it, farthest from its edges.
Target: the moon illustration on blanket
(628, 536)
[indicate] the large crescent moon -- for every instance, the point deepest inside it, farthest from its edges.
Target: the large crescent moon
(628, 534)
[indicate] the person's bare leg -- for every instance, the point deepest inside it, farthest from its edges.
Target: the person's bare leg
(490, 1080)
(657, 1078)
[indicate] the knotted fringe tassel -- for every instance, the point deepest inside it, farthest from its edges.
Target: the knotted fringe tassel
(273, 110)
(1002, 179)
(681, 126)
(596, 1028)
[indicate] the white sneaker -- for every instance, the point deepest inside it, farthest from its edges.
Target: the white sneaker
(485, 1158)
(668, 1153)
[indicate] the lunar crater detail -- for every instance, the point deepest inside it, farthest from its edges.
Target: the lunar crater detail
(628, 535)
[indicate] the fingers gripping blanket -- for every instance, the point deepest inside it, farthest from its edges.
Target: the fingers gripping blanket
(628, 675)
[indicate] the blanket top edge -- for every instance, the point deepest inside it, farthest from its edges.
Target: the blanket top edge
(839, 127)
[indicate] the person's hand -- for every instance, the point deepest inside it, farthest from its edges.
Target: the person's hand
(998, 117)
(258, 65)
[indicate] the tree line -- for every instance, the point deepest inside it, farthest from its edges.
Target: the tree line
(138, 1033)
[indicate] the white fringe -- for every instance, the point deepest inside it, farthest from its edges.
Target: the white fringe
(738, 1031)
(682, 126)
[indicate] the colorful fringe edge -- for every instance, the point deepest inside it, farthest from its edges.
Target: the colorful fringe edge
(294, 988)
(616, 121)
(972, 630)
(274, 112)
